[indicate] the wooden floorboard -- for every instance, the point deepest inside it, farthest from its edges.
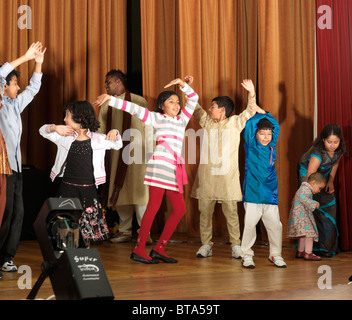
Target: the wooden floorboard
(219, 277)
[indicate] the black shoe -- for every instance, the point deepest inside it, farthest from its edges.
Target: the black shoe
(138, 258)
(156, 255)
(324, 254)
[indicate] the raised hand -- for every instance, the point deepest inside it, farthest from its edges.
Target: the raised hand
(101, 100)
(175, 82)
(40, 56)
(259, 110)
(34, 50)
(249, 86)
(189, 80)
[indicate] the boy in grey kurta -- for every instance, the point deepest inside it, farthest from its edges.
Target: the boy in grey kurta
(218, 177)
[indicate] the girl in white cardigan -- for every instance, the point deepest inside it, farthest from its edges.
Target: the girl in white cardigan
(80, 161)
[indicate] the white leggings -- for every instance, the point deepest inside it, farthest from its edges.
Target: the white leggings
(271, 219)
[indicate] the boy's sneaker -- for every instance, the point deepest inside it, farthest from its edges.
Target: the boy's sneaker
(204, 251)
(278, 261)
(236, 252)
(9, 267)
(121, 238)
(247, 262)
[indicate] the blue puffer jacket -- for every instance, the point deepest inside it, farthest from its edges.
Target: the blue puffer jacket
(260, 181)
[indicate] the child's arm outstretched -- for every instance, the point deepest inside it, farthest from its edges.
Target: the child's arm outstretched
(143, 114)
(192, 97)
(252, 107)
(35, 52)
(54, 132)
(148, 117)
(32, 53)
(248, 85)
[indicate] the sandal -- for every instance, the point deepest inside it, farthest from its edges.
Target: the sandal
(311, 257)
(300, 254)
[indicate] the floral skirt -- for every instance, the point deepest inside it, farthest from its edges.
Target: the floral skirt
(92, 223)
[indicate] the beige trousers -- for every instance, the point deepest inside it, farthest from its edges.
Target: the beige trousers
(229, 209)
(126, 216)
(271, 220)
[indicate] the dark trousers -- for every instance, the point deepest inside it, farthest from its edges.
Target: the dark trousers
(10, 231)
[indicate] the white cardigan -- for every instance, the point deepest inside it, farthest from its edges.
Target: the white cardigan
(99, 145)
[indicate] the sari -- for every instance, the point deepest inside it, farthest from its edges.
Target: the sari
(325, 216)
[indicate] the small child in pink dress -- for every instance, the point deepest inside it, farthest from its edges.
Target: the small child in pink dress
(301, 223)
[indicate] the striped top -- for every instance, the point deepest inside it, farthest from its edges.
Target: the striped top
(161, 168)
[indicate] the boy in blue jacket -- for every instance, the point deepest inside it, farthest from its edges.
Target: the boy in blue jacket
(260, 189)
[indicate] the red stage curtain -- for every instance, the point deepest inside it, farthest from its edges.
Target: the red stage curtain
(334, 79)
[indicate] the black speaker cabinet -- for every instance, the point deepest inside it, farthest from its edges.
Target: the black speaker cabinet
(79, 275)
(75, 274)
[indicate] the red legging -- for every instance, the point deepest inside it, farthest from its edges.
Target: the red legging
(178, 210)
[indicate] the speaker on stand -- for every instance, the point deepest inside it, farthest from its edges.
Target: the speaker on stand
(75, 272)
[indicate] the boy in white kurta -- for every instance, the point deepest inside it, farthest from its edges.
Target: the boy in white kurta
(218, 176)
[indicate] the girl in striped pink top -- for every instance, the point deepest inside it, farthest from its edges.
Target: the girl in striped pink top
(165, 170)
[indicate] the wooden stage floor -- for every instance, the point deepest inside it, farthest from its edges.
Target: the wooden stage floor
(219, 277)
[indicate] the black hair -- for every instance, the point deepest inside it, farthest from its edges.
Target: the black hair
(317, 177)
(11, 75)
(118, 74)
(330, 130)
(84, 114)
(225, 102)
(264, 124)
(162, 98)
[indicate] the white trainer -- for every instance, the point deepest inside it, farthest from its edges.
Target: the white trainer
(236, 252)
(247, 262)
(278, 261)
(204, 251)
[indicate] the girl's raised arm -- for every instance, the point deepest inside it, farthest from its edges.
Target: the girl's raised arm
(141, 113)
(101, 100)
